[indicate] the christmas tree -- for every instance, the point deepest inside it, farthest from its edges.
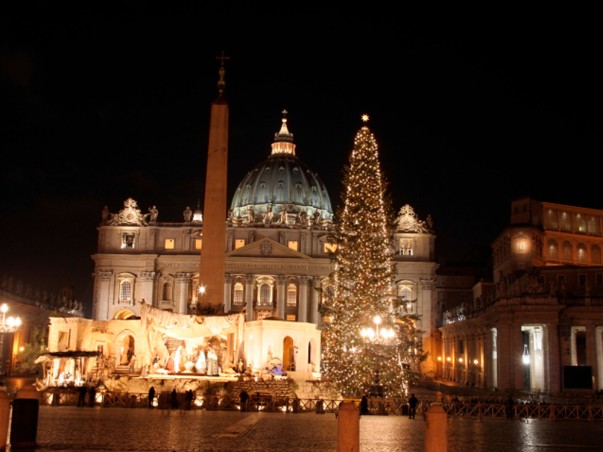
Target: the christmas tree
(370, 345)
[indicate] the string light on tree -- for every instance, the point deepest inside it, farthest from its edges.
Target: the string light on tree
(363, 282)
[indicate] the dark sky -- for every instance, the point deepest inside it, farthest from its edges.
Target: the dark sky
(103, 101)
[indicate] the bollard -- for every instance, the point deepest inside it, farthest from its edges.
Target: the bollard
(4, 419)
(436, 433)
(348, 428)
(24, 421)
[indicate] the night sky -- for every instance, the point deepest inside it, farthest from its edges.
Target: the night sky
(471, 109)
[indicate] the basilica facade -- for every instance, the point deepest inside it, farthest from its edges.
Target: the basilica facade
(278, 263)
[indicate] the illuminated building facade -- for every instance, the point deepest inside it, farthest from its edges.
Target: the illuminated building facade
(538, 327)
(277, 263)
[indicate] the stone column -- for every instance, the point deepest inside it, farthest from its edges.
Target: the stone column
(227, 292)
(302, 308)
(104, 295)
(281, 296)
(181, 295)
(146, 289)
(313, 315)
(249, 283)
(551, 353)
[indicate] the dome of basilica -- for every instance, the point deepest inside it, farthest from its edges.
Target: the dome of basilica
(281, 189)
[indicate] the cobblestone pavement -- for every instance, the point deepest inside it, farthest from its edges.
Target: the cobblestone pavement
(98, 429)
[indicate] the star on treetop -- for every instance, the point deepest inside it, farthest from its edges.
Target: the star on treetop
(365, 118)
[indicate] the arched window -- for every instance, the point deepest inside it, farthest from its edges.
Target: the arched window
(167, 292)
(125, 291)
(238, 294)
(406, 292)
(582, 254)
(265, 295)
(291, 295)
(552, 250)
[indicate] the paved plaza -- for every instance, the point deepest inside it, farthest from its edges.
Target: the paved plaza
(69, 428)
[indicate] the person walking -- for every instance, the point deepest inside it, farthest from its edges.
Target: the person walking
(364, 407)
(174, 399)
(244, 396)
(151, 397)
(509, 407)
(412, 406)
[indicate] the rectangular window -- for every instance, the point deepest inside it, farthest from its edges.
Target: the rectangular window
(560, 280)
(239, 243)
(406, 247)
(169, 244)
(292, 244)
(291, 295)
(599, 279)
(582, 280)
(238, 294)
(127, 240)
(329, 247)
(198, 244)
(291, 317)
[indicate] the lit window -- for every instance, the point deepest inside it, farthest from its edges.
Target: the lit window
(406, 294)
(127, 240)
(291, 295)
(198, 244)
(169, 244)
(238, 293)
(292, 244)
(125, 291)
(291, 317)
(406, 247)
(239, 243)
(265, 295)
(330, 247)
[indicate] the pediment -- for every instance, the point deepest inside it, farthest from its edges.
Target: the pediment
(266, 247)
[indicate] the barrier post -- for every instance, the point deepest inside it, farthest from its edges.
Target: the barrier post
(24, 420)
(348, 428)
(4, 419)
(436, 433)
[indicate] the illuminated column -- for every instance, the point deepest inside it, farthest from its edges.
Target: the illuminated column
(302, 313)
(228, 292)
(103, 297)
(145, 289)
(313, 310)
(281, 292)
(249, 280)
(426, 306)
(181, 297)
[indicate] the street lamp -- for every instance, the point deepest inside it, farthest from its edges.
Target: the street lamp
(7, 325)
(375, 338)
(525, 358)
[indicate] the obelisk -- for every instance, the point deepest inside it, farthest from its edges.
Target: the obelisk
(211, 270)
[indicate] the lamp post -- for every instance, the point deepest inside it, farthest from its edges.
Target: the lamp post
(374, 338)
(7, 325)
